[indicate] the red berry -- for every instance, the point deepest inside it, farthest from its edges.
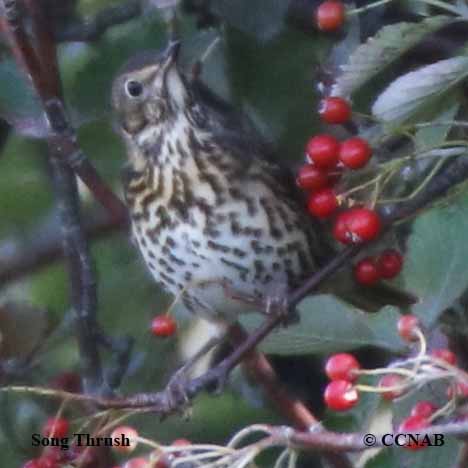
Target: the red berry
(390, 263)
(424, 409)
(55, 427)
(330, 15)
(121, 432)
(445, 354)
(366, 272)
(181, 443)
(68, 382)
(53, 453)
(340, 395)
(355, 153)
(459, 389)
(311, 178)
(391, 381)
(46, 462)
(323, 203)
(342, 366)
(357, 225)
(34, 463)
(323, 151)
(413, 424)
(139, 462)
(163, 325)
(335, 110)
(407, 326)
(164, 461)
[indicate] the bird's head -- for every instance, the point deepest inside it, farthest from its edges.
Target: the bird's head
(149, 90)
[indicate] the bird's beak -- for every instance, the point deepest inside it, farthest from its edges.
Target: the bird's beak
(171, 53)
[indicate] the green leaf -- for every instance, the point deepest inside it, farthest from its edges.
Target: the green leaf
(18, 104)
(419, 89)
(263, 19)
(328, 325)
(444, 456)
(263, 77)
(384, 459)
(381, 50)
(435, 264)
(432, 136)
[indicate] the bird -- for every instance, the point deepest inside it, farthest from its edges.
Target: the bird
(218, 220)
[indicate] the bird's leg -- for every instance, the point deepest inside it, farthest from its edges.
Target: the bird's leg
(231, 293)
(276, 303)
(279, 307)
(177, 383)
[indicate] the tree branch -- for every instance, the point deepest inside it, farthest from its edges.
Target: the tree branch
(83, 285)
(318, 440)
(293, 409)
(43, 246)
(41, 64)
(41, 67)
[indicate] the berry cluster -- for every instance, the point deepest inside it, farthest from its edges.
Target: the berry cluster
(53, 456)
(343, 369)
(327, 157)
(159, 458)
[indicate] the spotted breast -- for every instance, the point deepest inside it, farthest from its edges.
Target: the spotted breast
(210, 212)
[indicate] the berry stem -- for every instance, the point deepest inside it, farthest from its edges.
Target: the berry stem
(419, 188)
(448, 123)
(385, 370)
(437, 3)
(393, 388)
(445, 410)
(375, 180)
(357, 11)
(442, 5)
(247, 432)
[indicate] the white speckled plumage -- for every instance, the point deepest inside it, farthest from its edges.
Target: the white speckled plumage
(204, 217)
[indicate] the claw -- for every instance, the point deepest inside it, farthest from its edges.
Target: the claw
(220, 380)
(177, 397)
(278, 306)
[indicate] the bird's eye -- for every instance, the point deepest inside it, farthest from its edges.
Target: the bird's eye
(134, 88)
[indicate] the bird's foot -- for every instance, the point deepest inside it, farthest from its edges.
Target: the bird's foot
(234, 295)
(220, 377)
(177, 397)
(176, 388)
(278, 306)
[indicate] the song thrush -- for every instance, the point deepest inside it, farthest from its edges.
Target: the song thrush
(211, 210)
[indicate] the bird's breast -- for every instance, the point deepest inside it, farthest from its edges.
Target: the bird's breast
(196, 223)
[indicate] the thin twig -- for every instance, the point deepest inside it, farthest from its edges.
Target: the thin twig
(320, 440)
(43, 69)
(293, 409)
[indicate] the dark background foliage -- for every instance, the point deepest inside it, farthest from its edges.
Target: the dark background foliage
(268, 63)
